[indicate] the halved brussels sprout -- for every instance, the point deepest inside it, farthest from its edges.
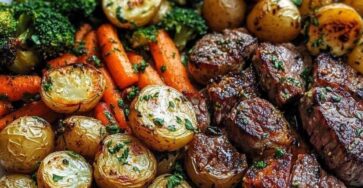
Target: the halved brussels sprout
(123, 161)
(163, 118)
(24, 143)
(335, 28)
(168, 180)
(72, 88)
(82, 135)
(17, 181)
(130, 13)
(64, 169)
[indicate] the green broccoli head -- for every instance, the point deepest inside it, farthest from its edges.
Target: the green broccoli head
(7, 22)
(143, 36)
(185, 24)
(71, 8)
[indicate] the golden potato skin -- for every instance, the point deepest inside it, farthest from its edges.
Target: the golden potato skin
(17, 181)
(24, 143)
(222, 14)
(308, 6)
(355, 58)
(123, 161)
(356, 4)
(162, 118)
(73, 88)
(64, 169)
(129, 14)
(335, 28)
(162, 182)
(274, 21)
(82, 135)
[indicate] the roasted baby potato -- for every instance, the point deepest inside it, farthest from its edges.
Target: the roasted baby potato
(17, 181)
(334, 28)
(165, 7)
(123, 161)
(163, 118)
(72, 88)
(274, 21)
(222, 14)
(355, 58)
(168, 180)
(129, 14)
(309, 6)
(356, 4)
(82, 135)
(64, 169)
(24, 143)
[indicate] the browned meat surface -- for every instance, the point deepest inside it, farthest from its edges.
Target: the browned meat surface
(279, 68)
(200, 104)
(333, 119)
(307, 173)
(220, 53)
(334, 71)
(269, 173)
(211, 161)
(255, 125)
(224, 92)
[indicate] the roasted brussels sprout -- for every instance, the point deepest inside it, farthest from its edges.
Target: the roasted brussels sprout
(123, 161)
(334, 28)
(223, 14)
(17, 181)
(64, 169)
(163, 118)
(72, 88)
(309, 6)
(274, 20)
(130, 13)
(24, 143)
(81, 135)
(168, 180)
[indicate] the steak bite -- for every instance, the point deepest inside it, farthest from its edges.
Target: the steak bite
(224, 92)
(200, 104)
(255, 125)
(211, 161)
(279, 68)
(333, 119)
(335, 72)
(220, 53)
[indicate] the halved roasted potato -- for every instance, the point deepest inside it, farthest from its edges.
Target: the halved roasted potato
(309, 6)
(130, 13)
(168, 180)
(335, 28)
(64, 169)
(73, 88)
(274, 20)
(17, 181)
(123, 161)
(163, 118)
(81, 134)
(24, 143)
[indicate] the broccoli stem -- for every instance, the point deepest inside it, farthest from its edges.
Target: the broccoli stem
(182, 37)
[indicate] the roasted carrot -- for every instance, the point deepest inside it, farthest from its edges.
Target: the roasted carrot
(5, 108)
(63, 60)
(82, 32)
(13, 88)
(113, 98)
(91, 47)
(148, 76)
(103, 113)
(169, 65)
(115, 57)
(33, 109)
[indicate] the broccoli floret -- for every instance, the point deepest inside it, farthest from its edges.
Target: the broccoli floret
(143, 36)
(185, 24)
(7, 22)
(75, 8)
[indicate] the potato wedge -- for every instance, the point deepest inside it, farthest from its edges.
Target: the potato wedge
(335, 28)
(163, 118)
(24, 143)
(164, 181)
(17, 180)
(73, 88)
(64, 169)
(123, 156)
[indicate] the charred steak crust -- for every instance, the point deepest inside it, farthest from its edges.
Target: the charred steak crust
(224, 92)
(280, 69)
(255, 125)
(200, 104)
(220, 53)
(333, 71)
(333, 119)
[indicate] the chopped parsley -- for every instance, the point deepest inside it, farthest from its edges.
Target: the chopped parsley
(163, 68)
(112, 129)
(124, 156)
(297, 2)
(278, 64)
(260, 164)
(119, 15)
(174, 180)
(279, 152)
(65, 161)
(140, 67)
(158, 122)
(57, 178)
(116, 148)
(133, 93)
(94, 60)
(172, 128)
(179, 120)
(171, 104)
(47, 86)
(121, 103)
(189, 125)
